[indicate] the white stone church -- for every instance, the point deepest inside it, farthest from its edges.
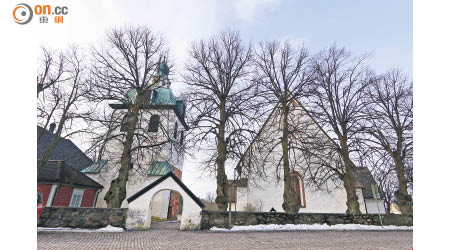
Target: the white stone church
(163, 118)
(267, 194)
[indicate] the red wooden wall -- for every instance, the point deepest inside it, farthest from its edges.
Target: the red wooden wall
(64, 195)
(45, 190)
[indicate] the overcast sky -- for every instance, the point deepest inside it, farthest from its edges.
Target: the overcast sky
(382, 27)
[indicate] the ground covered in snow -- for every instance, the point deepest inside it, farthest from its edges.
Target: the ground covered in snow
(292, 227)
(108, 229)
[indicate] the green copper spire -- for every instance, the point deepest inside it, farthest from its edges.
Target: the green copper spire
(163, 70)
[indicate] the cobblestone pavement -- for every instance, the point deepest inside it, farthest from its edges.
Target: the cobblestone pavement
(164, 238)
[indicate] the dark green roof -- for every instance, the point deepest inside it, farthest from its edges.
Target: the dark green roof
(95, 167)
(163, 97)
(158, 168)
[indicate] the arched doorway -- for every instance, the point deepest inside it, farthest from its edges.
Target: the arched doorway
(166, 209)
(140, 204)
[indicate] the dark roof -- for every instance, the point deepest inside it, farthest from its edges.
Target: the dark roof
(161, 179)
(365, 180)
(243, 182)
(60, 172)
(65, 150)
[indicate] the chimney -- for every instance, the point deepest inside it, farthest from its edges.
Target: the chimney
(59, 170)
(52, 128)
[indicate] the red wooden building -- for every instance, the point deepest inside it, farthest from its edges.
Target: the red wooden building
(62, 185)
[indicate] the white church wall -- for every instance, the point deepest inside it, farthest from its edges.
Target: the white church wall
(241, 198)
(139, 180)
(316, 201)
(362, 205)
(270, 191)
(372, 206)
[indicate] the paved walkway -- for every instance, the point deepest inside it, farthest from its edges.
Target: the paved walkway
(174, 239)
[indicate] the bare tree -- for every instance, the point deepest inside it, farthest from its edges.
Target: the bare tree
(124, 70)
(283, 75)
(50, 70)
(336, 103)
(62, 96)
(210, 201)
(222, 110)
(389, 115)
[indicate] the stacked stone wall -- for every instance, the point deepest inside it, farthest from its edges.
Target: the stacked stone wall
(81, 217)
(220, 219)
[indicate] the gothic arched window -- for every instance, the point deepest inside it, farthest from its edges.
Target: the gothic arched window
(153, 124)
(125, 122)
(175, 130)
(299, 187)
(181, 137)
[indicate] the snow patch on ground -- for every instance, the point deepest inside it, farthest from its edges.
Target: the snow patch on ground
(108, 229)
(290, 227)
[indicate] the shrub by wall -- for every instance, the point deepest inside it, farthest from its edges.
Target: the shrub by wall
(83, 217)
(220, 219)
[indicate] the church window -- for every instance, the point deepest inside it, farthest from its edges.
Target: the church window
(175, 130)
(299, 187)
(125, 122)
(153, 124)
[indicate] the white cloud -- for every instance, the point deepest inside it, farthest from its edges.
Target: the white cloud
(248, 10)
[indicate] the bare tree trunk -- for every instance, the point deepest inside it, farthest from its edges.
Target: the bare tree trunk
(349, 185)
(349, 179)
(222, 180)
(404, 199)
(117, 190)
(290, 204)
(40, 87)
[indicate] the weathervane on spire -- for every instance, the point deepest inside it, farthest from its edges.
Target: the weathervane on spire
(163, 72)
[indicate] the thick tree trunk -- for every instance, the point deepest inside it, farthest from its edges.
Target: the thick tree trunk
(290, 204)
(55, 140)
(117, 190)
(39, 88)
(222, 180)
(404, 199)
(349, 184)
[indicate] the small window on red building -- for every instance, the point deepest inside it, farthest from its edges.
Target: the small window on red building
(77, 197)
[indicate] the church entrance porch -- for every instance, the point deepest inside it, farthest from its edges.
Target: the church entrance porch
(142, 206)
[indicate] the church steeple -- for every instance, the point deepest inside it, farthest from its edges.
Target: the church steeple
(162, 75)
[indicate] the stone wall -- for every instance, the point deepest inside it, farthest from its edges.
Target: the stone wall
(220, 219)
(81, 217)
